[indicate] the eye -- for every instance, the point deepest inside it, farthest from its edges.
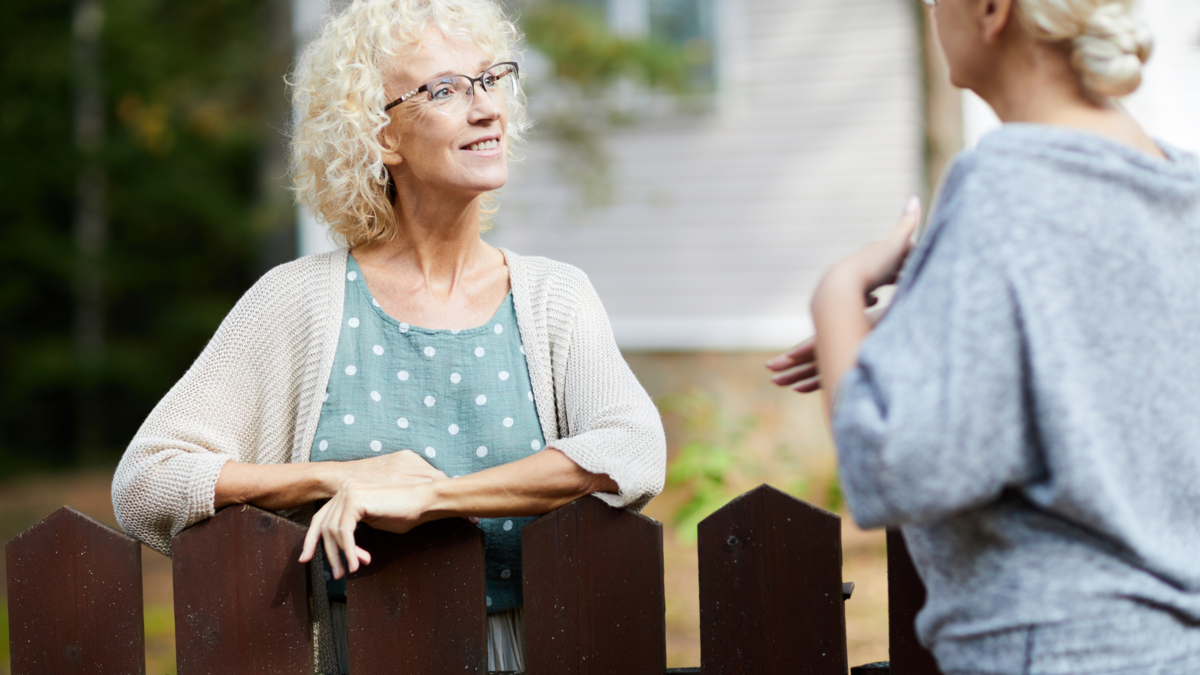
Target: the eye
(489, 80)
(441, 92)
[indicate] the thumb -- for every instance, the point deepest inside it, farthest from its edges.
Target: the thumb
(908, 221)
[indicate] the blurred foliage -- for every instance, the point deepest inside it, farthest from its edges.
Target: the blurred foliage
(577, 40)
(595, 71)
(705, 464)
(184, 96)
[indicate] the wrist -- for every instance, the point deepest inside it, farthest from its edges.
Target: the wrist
(328, 478)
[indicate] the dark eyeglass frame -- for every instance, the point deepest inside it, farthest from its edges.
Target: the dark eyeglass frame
(516, 73)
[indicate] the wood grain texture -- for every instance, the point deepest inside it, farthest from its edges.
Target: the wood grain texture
(75, 598)
(771, 588)
(906, 596)
(594, 598)
(420, 607)
(241, 596)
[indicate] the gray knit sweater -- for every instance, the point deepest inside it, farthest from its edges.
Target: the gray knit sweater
(1029, 410)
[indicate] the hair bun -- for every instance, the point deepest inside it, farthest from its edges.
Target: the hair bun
(1110, 53)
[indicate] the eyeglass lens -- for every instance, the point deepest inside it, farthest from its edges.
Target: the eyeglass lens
(453, 93)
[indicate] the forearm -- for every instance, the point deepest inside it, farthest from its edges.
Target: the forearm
(531, 486)
(276, 486)
(838, 309)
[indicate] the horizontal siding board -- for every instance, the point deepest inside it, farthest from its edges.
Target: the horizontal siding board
(734, 215)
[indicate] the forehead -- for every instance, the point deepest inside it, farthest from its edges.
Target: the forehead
(436, 54)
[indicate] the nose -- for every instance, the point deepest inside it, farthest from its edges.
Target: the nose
(484, 106)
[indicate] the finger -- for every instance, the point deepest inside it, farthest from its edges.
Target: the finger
(329, 536)
(313, 535)
(908, 220)
(801, 353)
(793, 376)
(332, 554)
(346, 539)
(808, 387)
(364, 556)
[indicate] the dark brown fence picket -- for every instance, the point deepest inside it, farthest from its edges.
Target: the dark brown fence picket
(75, 598)
(241, 596)
(420, 607)
(771, 588)
(594, 599)
(906, 596)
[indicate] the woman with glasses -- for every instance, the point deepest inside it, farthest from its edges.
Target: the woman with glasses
(1027, 408)
(418, 373)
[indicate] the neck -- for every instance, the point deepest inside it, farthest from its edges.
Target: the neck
(1039, 86)
(437, 237)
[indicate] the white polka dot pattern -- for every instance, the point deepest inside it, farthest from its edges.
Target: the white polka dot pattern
(352, 275)
(508, 421)
(455, 378)
(351, 370)
(378, 349)
(481, 400)
(430, 453)
(353, 323)
(376, 446)
(453, 429)
(503, 375)
(402, 423)
(403, 375)
(479, 352)
(348, 419)
(375, 396)
(429, 401)
(481, 451)
(323, 446)
(430, 351)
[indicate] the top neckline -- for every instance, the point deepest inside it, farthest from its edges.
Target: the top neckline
(354, 273)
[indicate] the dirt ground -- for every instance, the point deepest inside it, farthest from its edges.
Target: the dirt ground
(26, 501)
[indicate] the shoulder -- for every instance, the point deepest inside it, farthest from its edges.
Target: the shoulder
(298, 293)
(547, 280)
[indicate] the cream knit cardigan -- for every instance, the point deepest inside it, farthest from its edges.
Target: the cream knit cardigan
(254, 395)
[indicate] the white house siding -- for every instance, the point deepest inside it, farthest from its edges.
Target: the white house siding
(721, 224)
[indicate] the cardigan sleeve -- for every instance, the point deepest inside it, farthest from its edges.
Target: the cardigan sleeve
(611, 424)
(936, 417)
(238, 401)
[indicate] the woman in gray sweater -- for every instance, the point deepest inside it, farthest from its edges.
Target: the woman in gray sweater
(1029, 407)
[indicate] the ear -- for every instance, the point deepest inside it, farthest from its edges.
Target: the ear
(389, 138)
(994, 16)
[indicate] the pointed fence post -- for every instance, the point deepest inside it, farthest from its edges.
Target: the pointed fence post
(241, 596)
(420, 607)
(75, 598)
(771, 588)
(906, 596)
(594, 598)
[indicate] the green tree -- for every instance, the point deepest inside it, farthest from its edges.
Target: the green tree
(185, 110)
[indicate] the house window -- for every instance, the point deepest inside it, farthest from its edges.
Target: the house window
(689, 24)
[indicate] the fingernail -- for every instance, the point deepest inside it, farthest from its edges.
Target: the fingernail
(913, 206)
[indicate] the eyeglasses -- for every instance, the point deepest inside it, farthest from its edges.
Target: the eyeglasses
(930, 3)
(453, 94)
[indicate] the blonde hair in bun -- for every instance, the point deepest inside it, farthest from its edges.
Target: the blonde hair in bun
(1108, 42)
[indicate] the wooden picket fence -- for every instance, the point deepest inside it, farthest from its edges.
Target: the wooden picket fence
(771, 596)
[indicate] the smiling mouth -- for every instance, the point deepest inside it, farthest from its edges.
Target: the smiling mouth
(484, 145)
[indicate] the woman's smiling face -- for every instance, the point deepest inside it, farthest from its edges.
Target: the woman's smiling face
(459, 153)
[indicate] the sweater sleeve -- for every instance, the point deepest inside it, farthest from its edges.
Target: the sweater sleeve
(935, 419)
(612, 425)
(238, 401)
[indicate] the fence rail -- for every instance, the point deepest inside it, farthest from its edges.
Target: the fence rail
(771, 596)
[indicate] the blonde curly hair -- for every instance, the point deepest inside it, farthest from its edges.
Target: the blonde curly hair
(336, 155)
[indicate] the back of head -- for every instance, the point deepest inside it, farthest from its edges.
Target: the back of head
(1108, 43)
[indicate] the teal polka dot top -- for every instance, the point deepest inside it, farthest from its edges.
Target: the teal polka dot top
(460, 398)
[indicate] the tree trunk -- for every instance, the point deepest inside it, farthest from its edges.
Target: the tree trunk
(277, 215)
(91, 229)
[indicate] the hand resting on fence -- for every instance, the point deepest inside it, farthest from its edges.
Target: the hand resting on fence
(531, 486)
